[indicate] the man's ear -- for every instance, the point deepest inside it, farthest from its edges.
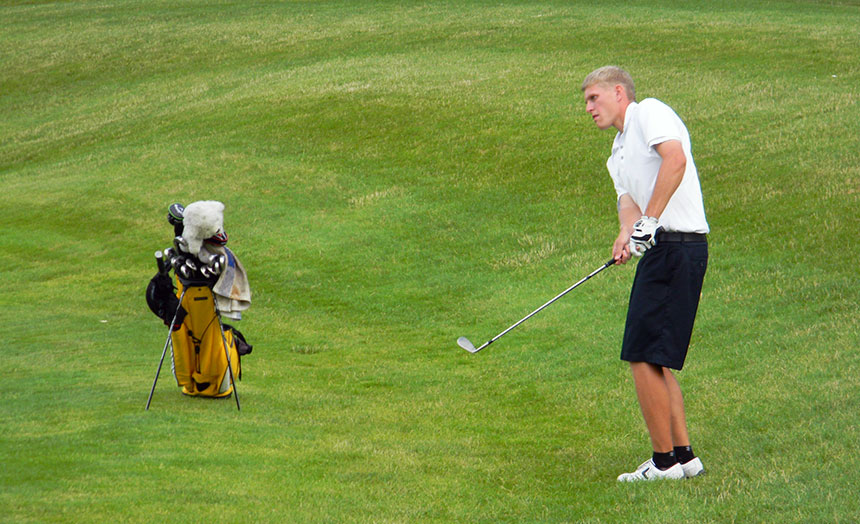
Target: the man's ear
(620, 92)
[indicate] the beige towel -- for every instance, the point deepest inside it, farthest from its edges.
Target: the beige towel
(232, 291)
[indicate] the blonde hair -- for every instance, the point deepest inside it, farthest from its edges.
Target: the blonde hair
(612, 75)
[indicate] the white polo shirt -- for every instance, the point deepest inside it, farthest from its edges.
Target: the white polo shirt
(634, 164)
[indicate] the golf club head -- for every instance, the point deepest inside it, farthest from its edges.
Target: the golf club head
(464, 343)
(175, 213)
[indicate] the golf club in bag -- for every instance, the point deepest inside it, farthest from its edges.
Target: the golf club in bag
(464, 342)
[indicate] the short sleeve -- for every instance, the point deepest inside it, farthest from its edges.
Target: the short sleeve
(659, 123)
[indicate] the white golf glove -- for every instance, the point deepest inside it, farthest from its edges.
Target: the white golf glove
(644, 235)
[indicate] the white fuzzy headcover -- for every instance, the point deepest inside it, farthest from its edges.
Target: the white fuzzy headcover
(202, 220)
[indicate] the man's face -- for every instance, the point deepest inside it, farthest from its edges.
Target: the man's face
(603, 104)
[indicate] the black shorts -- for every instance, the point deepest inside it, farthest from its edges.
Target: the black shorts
(663, 303)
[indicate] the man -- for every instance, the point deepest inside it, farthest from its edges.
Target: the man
(662, 218)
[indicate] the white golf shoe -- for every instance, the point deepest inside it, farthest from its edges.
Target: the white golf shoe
(649, 471)
(693, 468)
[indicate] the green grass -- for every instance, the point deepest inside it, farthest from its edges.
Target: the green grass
(398, 174)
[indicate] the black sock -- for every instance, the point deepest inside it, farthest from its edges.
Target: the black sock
(664, 460)
(684, 454)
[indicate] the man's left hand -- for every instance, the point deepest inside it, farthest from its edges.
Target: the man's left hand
(644, 235)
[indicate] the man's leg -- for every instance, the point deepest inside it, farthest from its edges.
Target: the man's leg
(678, 420)
(691, 464)
(656, 404)
(655, 401)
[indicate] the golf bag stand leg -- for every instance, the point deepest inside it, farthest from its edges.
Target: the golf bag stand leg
(226, 353)
(164, 352)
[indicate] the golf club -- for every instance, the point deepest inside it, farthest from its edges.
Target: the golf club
(159, 260)
(464, 342)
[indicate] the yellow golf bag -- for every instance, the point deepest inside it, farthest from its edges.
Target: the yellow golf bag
(209, 282)
(205, 353)
(199, 359)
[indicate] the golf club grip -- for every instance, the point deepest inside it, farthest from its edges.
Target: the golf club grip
(159, 259)
(610, 263)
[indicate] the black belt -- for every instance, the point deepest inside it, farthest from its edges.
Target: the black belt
(671, 236)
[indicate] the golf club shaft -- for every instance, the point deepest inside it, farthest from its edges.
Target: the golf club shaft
(536, 311)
